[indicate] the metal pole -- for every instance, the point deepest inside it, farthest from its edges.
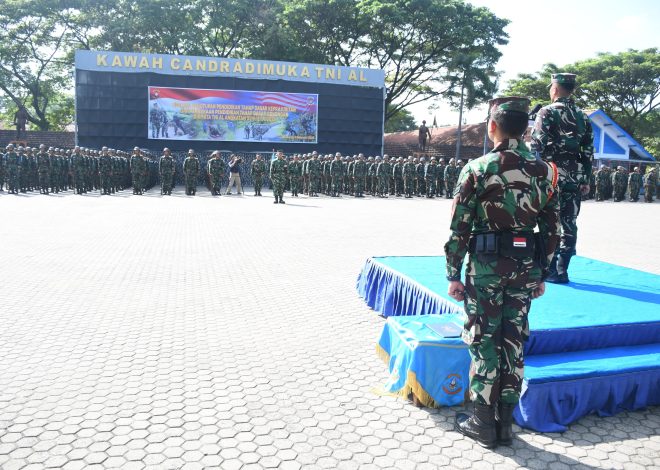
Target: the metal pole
(460, 121)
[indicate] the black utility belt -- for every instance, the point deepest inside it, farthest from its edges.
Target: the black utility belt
(509, 244)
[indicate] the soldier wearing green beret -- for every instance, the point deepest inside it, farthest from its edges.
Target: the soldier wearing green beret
(563, 135)
(500, 199)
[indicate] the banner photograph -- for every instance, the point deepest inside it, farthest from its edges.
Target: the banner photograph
(232, 115)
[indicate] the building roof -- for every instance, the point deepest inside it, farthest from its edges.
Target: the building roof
(619, 138)
(36, 138)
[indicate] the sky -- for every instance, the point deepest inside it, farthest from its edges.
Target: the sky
(559, 32)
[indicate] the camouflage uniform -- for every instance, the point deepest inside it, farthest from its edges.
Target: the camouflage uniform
(430, 176)
(635, 184)
(359, 175)
(601, 176)
(314, 168)
(295, 176)
(278, 175)
(409, 177)
(398, 176)
(420, 187)
(166, 171)
(620, 183)
(44, 168)
(105, 172)
(383, 174)
(13, 165)
(440, 181)
(258, 169)
(650, 182)
(216, 168)
(562, 134)
(191, 172)
(451, 175)
(504, 194)
(337, 174)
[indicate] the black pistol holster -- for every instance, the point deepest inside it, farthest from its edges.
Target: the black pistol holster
(509, 244)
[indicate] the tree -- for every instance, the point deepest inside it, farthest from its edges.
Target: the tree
(401, 121)
(416, 42)
(626, 86)
(33, 71)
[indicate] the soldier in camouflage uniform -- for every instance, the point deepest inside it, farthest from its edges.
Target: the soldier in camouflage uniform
(562, 134)
(295, 175)
(359, 175)
(166, 171)
(440, 181)
(451, 175)
(258, 169)
(500, 199)
(601, 176)
(216, 168)
(635, 184)
(397, 170)
(44, 168)
(191, 172)
(383, 174)
(337, 174)
(409, 177)
(314, 168)
(13, 165)
(371, 176)
(420, 187)
(278, 175)
(105, 171)
(430, 176)
(620, 183)
(650, 182)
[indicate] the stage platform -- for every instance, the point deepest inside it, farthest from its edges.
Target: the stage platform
(594, 344)
(605, 305)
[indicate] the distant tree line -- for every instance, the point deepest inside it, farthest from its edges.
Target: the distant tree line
(428, 48)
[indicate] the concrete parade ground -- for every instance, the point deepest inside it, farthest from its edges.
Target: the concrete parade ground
(226, 333)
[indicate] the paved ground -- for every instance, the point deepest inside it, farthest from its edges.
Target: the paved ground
(172, 333)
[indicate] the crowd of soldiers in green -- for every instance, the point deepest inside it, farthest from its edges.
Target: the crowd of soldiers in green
(109, 170)
(357, 175)
(54, 170)
(613, 183)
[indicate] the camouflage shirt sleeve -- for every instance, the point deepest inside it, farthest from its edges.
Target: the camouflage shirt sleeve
(462, 217)
(550, 227)
(587, 148)
(541, 137)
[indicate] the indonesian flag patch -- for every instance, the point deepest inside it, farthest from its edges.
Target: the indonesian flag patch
(520, 242)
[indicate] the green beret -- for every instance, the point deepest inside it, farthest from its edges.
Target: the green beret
(563, 78)
(508, 103)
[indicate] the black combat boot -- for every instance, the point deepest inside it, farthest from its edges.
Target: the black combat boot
(277, 200)
(479, 426)
(504, 423)
(562, 269)
(552, 271)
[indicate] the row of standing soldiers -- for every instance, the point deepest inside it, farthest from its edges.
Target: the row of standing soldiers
(55, 170)
(312, 174)
(607, 183)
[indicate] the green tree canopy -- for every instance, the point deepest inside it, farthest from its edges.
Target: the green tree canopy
(400, 121)
(625, 85)
(428, 48)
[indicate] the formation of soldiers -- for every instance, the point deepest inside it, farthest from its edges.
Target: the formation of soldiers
(53, 170)
(334, 175)
(609, 183)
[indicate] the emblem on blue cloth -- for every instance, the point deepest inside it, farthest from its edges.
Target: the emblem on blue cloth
(452, 384)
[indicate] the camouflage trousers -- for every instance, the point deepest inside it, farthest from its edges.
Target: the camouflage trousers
(106, 183)
(649, 192)
(166, 180)
(634, 191)
(495, 331)
(383, 185)
(430, 187)
(409, 186)
(258, 183)
(569, 209)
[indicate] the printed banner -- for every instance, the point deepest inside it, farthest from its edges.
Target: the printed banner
(232, 115)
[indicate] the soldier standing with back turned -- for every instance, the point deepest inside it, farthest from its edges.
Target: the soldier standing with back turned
(500, 199)
(562, 134)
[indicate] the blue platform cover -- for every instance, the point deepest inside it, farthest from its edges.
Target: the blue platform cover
(560, 388)
(605, 305)
(433, 367)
